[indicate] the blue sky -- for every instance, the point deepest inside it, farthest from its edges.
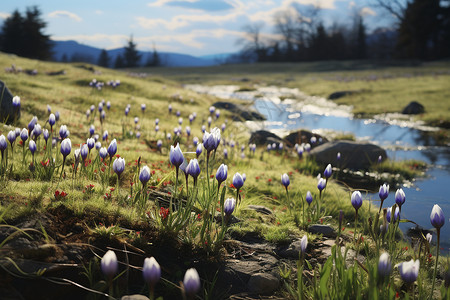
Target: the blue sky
(196, 27)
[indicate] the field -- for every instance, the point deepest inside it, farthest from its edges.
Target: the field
(59, 215)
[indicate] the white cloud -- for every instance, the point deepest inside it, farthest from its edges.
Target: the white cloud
(4, 15)
(99, 12)
(65, 13)
(108, 41)
(367, 11)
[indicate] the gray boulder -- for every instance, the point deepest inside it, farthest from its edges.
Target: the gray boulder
(7, 112)
(413, 108)
(340, 94)
(241, 112)
(303, 136)
(263, 137)
(354, 155)
(263, 283)
(325, 230)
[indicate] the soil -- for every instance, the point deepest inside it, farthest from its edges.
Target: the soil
(46, 259)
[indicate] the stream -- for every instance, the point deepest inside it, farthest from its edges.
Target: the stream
(289, 109)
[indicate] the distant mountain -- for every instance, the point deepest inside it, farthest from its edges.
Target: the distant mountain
(74, 51)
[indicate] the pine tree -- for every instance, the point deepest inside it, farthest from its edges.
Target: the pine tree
(119, 63)
(131, 55)
(103, 59)
(23, 35)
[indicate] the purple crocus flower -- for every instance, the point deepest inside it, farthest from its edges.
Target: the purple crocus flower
(409, 270)
(222, 173)
(321, 184)
(328, 171)
(144, 175)
(51, 120)
(191, 282)
(119, 165)
(437, 218)
(109, 264)
(400, 197)
(176, 156)
(356, 199)
(63, 132)
(384, 265)
(309, 197)
(285, 180)
(151, 271)
(24, 135)
(238, 181)
(229, 205)
(112, 148)
(384, 191)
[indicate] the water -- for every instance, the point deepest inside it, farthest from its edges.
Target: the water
(400, 136)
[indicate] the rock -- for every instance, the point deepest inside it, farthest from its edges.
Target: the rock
(413, 108)
(340, 94)
(354, 155)
(7, 111)
(303, 136)
(261, 209)
(263, 137)
(291, 251)
(134, 297)
(241, 112)
(325, 230)
(263, 283)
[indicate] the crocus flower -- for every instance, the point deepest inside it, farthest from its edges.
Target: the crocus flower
(144, 175)
(321, 184)
(31, 146)
(409, 270)
(103, 152)
(195, 141)
(225, 153)
(191, 282)
(138, 134)
(91, 130)
(199, 149)
(156, 128)
(304, 244)
(119, 165)
(307, 148)
(159, 144)
(384, 191)
(313, 140)
(170, 108)
(222, 173)
(24, 134)
(180, 121)
(112, 148)
(203, 128)
(300, 152)
(11, 137)
(63, 132)
(57, 116)
(66, 147)
(188, 131)
(51, 120)
(143, 107)
(176, 156)
(127, 110)
(285, 180)
(338, 156)
(191, 118)
(238, 181)
(437, 217)
(429, 237)
(92, 108)
(98, 145)
(16, 102)
(45, 134)
(178, 113)
(3, 144)
(108, 105)
(109, 264)
(37, 131)
(356, 199)
(84, 151)
(136, 120)
(328, 171)
(90, 143)
(168, 136)
(309, 197)
(229, 205)
(384, 265)
(156, 121)
(193, 168)
(400, 197)
(32, 123)
(217, 114)
(151, 271)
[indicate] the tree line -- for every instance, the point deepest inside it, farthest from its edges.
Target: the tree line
(421, 31)
(23, 34)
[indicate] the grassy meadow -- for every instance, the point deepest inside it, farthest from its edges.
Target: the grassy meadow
(127, 213)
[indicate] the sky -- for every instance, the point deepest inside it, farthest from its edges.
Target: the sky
(195, 27)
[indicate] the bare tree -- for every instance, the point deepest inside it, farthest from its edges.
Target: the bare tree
(396, 8)
(252, 42)
(286, 24)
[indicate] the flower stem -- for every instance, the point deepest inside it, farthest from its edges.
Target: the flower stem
(436, 263)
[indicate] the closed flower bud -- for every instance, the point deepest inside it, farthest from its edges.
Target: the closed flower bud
(285, 180)
(384, 191)
(321, 184)
(45, 134)
(409, 270)
(66, 147)
(151, 271)
(103, 152)
(176, 156)
(400, 197)
(191, 282)
(238, 181)
(31, 146)
(3, 144)
(24, 134)
(63, 132)
(84, 151)
(193, 168)
(437, 217)
(309, 197)
(90, 143)
(112, 148)
(328, 171)
(144, 175)
(304, 243)
(119, 165)
(356, 199)
(109, 264)
(52, 120)
(229, 205)
(384, 265)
